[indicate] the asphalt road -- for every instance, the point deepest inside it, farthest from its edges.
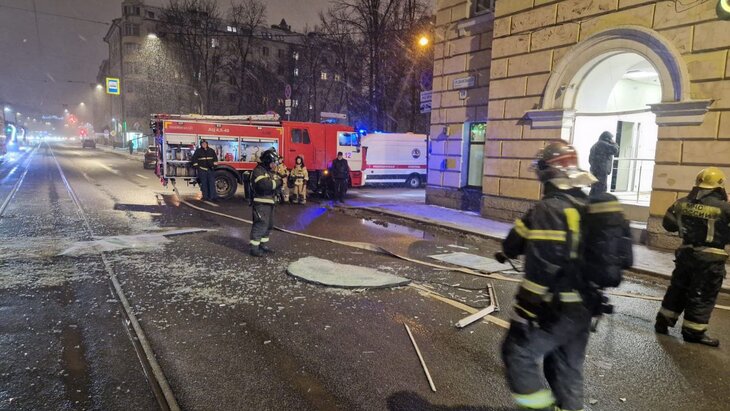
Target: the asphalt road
(236, 333)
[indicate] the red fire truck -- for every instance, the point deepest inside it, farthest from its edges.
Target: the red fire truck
(239, 141)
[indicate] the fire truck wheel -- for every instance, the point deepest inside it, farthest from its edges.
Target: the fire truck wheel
(225, 184)
(414, 181)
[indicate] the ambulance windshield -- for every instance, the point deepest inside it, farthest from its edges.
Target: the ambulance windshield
(349, 139)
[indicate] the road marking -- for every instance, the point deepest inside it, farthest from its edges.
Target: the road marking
(106, 167)
(141, 176)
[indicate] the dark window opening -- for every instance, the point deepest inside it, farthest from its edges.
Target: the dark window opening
(296, 136)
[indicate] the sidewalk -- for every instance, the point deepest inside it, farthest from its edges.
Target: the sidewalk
(646, 261)
(124, 152)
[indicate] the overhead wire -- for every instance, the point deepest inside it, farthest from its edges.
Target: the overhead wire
(45, 13)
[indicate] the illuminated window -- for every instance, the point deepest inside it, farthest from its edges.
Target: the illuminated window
(323, 75)
(477, 137)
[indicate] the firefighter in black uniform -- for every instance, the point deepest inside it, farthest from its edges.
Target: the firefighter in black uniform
(701, 219)
(551, 322)
(204, 160)
(264, 182)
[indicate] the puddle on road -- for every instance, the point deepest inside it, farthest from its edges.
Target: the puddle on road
(76, 380)
(397, 228)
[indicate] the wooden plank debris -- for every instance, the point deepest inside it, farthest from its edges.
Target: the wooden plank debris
(420, 358)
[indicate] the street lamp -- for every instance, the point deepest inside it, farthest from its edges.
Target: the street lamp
(152, 36)
(99, 87)
(423, 41)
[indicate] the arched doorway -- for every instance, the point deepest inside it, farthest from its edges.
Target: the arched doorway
(613, 92)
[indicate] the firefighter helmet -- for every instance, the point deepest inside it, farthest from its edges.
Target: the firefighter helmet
(557, 163)
(710, 178)
(269, 156)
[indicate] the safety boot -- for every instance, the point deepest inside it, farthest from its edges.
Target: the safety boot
(700, 338)
(265, 248)
(256, 251)
(661, 326)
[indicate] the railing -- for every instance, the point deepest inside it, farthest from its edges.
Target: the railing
(632, 176)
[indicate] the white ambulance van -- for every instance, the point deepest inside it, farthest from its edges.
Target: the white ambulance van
(389, 158)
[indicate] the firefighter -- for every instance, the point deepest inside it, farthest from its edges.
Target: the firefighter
(203, 160)
(283, 174)
(601, 161)
(701, 219)
(264, 182)
(551, 322)
(340, 173)
(301, 178)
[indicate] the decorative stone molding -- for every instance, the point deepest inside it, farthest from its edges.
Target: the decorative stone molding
(551, 119)
(561, 89)
(682, 113)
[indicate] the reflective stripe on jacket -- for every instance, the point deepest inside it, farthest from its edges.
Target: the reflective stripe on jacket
(549, 237)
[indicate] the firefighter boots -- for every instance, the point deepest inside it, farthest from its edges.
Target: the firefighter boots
(700, 338)
(265, 248)
(661, 326)
(256, 251)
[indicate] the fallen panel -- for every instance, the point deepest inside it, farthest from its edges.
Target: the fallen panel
(325, 272)
(475, 262)
(138, 242)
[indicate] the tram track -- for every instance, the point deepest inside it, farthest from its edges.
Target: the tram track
(18, 183)
(153, 371)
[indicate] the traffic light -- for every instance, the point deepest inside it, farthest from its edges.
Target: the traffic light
(72, 119)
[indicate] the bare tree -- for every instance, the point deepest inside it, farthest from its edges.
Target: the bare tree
(346, 54)
(373, 19)
(410, 61)
(193, 29)
(245, 18)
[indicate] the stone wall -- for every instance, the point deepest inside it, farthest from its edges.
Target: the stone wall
(532, 36)
(462, 49)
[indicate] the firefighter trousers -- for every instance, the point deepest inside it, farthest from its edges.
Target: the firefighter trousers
(263, 223)
(696, 281)
(560, 344)
(300, 192)
(207, 184)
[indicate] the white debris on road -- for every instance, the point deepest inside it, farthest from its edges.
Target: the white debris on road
(139, 242)
(325, 272)
(475, 262)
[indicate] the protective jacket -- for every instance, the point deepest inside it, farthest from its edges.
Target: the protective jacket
(300, 175)
(204, 158)
(549, 237)
(601, 157)
(282, 171)
(702, 220)
(340, 169)
(265, 184)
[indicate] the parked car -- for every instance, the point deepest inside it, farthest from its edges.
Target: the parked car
(88, 143)
(150, 157)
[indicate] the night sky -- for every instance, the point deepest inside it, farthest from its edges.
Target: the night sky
(53, 60)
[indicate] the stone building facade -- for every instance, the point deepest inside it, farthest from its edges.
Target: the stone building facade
(654, 73)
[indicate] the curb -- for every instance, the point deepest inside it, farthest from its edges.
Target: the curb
(428, 221)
